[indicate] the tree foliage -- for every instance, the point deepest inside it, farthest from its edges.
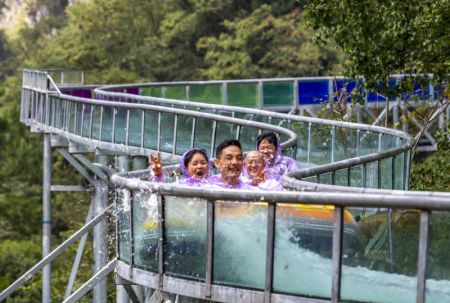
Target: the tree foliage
(386, 37)
(432, 174)
(265, 45)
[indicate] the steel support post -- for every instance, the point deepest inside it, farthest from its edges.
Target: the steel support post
(46, 218)
(123, 165)
(100, 234)
(142, 293)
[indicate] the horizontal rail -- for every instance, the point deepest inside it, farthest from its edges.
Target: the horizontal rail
(259, 112)
(433, 201)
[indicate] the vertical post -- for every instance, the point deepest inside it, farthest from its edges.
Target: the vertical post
(209, 248)
(359, 114)
(422, 257)
(140, 162)
(46, 218)
(123, 165)
(224, 93)
(100, 234)
(308, 154)
(336, 254)
(333, 143)
(270, 248)
(260, 95)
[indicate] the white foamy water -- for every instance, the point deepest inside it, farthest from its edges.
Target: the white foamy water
(240, 255)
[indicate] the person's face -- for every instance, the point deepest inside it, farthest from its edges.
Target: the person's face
(268, 150)
(254, 163)
(198, 166)
(230, 163)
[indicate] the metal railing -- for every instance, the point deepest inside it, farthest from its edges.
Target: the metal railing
(137, 128)
(352, 154)
(363, 144)
(204, 285)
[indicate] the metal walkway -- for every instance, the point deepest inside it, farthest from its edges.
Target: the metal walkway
(275, 247)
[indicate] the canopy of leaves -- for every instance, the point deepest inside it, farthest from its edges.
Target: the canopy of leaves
(387, 37)
(263, 45)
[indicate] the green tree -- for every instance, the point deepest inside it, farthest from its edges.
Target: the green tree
(264, 45)
(382, 38)
(385, 37)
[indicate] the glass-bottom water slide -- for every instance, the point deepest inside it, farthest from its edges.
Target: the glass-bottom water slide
(345, 230)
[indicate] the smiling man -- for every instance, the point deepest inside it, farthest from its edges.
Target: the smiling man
(229, 162)
(255, 172)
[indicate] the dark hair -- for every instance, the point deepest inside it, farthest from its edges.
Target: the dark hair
(225, 144)
(191, 153)
(271, 137)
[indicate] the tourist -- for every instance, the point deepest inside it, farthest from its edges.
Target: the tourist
(229, 162)
(194, 165)
(267, 143)
(255, 173)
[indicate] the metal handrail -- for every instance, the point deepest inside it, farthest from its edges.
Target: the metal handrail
(130, 181)
(260, 112)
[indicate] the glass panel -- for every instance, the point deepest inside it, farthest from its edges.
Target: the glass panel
(72, 113)
(135, 126)
(244, 116)
(243, 94)
(399, 161)
(385, 268)
(107, 124)
(278, 93)
(345, 145)
(386, 173)
(167, 127)
(120, 126)
(203, 134)
(356, 177)
(225, 131)
(240, 236)
(177, 92)
(320, 144)
(372, 175)
(185, 228)
(368, 143)
(123, 225)
(260, 118)
(301, 129)
(145, 230)
(303, 242)
(79, 122)
(341, 177)
(86, 119)
(206, 93)
(313, 91)
(312, 179)
(59, 113)
(96, 122)
(184, 134)
(389, 142)
(438, 263)
(248, 138)
(153, 91)
(151, 129)
(326, 179)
